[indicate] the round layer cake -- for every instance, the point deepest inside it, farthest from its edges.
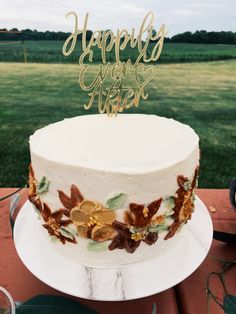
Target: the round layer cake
(116, 182)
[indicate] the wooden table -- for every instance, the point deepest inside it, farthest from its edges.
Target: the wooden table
(188, 297)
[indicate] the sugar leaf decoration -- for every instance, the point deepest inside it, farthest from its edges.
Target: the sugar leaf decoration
(43, 185)
(67, 232)
(158, 228)
(97, 246)
(116, 201)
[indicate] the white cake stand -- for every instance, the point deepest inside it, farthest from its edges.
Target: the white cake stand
(122, 276)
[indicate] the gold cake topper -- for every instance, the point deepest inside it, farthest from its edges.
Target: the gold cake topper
(110, 86)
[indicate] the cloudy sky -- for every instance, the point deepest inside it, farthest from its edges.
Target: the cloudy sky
(178, 15)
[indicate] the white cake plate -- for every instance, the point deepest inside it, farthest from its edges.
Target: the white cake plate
(123, 276)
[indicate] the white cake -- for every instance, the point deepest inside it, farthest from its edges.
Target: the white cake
(122, 180)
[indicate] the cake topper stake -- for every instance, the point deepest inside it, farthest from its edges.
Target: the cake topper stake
(119, 95)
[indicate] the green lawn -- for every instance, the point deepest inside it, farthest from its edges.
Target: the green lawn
(51, 52)
(202, 95)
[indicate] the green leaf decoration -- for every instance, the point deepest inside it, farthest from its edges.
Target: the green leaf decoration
(116, 201)
(169, 202)
(187, 185)
(158, 228)
(193, 196)
(229, 305)
(54, 239)
(96, 246)
(43, 185)
(169, 212)
(133, 229)
(67, 232)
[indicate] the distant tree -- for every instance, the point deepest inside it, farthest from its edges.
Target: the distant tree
(205, 37)
(184, 37)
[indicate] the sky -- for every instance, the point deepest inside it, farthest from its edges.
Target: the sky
(178, 15)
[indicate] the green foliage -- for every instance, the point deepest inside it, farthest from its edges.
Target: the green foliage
(200, 94)
(50, 51)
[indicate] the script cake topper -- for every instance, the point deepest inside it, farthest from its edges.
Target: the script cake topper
(110, 87)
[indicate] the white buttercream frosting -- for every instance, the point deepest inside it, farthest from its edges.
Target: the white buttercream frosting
(127, 143)
(139, 155)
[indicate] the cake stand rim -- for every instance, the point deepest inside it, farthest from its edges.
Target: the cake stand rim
(185, 275)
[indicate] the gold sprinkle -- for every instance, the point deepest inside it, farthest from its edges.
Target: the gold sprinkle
(136, 236)
(145, 212)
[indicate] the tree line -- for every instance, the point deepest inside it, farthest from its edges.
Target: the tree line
(203, 36)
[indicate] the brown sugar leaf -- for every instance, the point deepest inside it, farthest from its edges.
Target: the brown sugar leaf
(65, 222)
(66, 212)
(151, 238)
(181, 180)
(36, 202)
(53, 223)
(194, 182)
(131, 245)
(117, 243)
(65, 200)
(154, 206)
(123, 239)
(129, 218)
(73, 200)
(57, 215)
(76, 196)
(172, 230)
(32, 185)
(46, 212)
(49, 229)
(184, 204)
(135, 215)
(31, 170)
(139, 215)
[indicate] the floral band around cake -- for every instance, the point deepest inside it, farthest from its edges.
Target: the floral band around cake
(97, 222)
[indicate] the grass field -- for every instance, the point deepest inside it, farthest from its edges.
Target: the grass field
(202, 95)
(50, 52)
